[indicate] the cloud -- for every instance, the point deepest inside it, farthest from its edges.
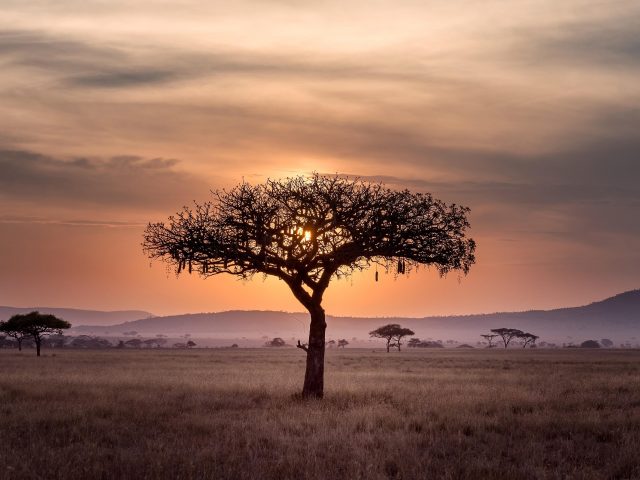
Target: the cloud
(605, 43)
(126, 182)
(90, 64)
(27, 219)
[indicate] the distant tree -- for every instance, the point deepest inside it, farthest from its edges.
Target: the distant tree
(331, 343)
(56, 341)
(342, 343)
(413, 342)
(151, 343)
(190, 344)
(464, 345)
(605, 342)
(507, 334)
(133, 343)
(235, 345)
(430, 344)
(37, 326)
(590, 344)
(306, 231)
(179, 345)
(276, 342)
(392, 333)
(13, 328)
(528, 339)
(87, 341)
(489, 338)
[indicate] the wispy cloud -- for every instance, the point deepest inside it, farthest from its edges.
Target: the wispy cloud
(127, 182)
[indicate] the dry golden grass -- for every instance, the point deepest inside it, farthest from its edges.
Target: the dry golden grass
(448, 414)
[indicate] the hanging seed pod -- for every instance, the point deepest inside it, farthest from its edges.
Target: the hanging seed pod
(179, 267)
(400, 266)
(376, 275)
(190, 267)
(225, 263)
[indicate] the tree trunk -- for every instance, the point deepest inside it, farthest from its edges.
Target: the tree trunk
(19, 344)
(314, 375)
(37, 347)
(388, 342)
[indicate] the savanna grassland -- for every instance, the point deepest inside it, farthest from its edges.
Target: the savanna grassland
(227, 413)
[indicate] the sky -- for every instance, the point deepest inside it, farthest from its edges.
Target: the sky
(116, 114)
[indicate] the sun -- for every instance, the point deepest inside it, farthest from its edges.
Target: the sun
(304, 233)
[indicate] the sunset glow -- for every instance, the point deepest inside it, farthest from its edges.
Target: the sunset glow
(117, 114)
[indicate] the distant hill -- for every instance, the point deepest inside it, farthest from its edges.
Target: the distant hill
(79, 317)
(617, 318)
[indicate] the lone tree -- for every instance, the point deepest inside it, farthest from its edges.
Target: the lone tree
(13, 328)
(507, 334)
(276, 342)
(392, 333)
(343, 343)
(306, 231)
(39, 325)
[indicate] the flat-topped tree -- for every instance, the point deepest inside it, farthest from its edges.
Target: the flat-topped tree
(306, 231)
(38, 325)
(507, 334)
(392, 333)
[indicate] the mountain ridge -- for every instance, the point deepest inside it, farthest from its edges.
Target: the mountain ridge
(617, 316)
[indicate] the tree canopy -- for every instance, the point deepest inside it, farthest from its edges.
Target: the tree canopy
(306, 231)
(35, 325)
(392, 333)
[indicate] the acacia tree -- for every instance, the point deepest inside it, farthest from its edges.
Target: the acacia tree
(13, 328)
(39, 325)
(507, 334)
(392, 333)
(528, 339)
(306, 231)
(343, 343)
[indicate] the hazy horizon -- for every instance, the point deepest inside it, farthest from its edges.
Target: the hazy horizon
(115, 115)
(301, 311)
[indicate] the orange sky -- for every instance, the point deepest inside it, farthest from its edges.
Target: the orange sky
(114, 114)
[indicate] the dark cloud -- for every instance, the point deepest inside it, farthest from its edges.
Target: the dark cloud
(123, 79)
(126, 182)
(612, 43)
(591, 190)
(92, 65)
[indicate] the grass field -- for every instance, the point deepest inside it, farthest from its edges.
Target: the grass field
(446, 414)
